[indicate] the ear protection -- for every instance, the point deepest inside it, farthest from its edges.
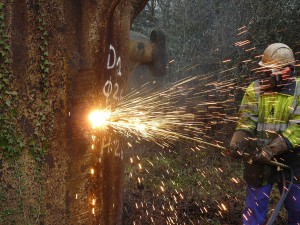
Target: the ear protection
(293, 70)
(286, 71)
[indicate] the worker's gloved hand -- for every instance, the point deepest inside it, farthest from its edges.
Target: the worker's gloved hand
(263, 155)
(275, 147)
(239, 144)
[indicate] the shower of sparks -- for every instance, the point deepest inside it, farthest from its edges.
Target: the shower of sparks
(164, 116)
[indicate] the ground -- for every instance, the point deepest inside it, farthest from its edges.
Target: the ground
(187, 185)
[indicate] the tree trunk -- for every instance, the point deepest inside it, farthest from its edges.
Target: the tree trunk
(60, 60)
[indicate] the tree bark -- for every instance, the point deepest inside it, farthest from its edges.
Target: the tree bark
(64, 59)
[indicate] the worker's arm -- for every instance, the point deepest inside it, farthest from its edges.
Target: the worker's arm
(247, 123)
(292, 133)
(248, 112)
(290, 138)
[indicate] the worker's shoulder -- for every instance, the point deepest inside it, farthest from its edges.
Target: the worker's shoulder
(297, 86)
(254, 84)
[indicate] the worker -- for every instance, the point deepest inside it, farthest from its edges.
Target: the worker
(269, 129)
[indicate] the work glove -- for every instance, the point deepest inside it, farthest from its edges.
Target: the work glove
(239, 144)
(275, 147)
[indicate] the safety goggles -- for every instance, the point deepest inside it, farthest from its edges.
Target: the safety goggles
(266, 72)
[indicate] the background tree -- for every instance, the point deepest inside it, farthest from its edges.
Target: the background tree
(220, 42)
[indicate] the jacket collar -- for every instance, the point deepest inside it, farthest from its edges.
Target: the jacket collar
(287, 87)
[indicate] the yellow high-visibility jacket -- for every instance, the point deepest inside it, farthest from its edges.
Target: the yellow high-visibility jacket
(265, 115)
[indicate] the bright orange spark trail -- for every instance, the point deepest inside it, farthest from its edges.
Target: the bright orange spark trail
(161, 116)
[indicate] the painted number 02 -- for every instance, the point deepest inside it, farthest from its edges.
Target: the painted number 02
(111, 89)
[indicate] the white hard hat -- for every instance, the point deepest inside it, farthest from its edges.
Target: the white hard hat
(277, 55)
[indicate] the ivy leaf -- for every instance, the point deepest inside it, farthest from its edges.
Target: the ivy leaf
(43, 138)
(10, 140)
(5, 80)
(32, 143)
(14, 112)
(21, 144)
(1, 5)
(13, 93)
(46, 53)
(8, 102)
(6, 47)
(46, 70)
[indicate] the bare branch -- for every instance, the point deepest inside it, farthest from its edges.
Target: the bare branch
(137, 7)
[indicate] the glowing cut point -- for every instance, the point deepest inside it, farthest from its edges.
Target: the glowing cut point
(140, 127)
(99, 119)
(92, 171)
